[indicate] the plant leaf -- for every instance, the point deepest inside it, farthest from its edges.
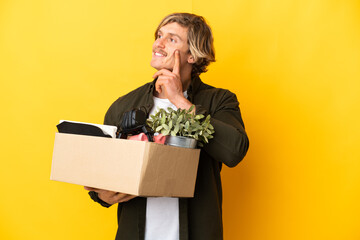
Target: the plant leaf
(163, 119)
(180, 118)
(158, 128)
(191, 108)
(177, 128)
(198, 117)
(165, 132)
(166, 127)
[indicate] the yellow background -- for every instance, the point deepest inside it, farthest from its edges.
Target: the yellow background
(294, 65)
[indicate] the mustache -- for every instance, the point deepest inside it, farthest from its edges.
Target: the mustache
(160, 51)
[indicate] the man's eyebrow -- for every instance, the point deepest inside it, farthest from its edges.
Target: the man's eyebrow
(175, 35)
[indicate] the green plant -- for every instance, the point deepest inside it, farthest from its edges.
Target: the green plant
(182, 122)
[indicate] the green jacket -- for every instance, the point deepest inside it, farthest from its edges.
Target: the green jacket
(200, 216)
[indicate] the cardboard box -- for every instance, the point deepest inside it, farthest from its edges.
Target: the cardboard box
(133, 167)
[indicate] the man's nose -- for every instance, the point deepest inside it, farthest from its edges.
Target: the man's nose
(160, 43)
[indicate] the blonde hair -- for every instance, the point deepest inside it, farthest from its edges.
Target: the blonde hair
(200, 39)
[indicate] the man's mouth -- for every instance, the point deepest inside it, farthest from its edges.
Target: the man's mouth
(160, 54)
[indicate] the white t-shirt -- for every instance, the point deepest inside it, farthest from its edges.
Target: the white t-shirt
(162, 213)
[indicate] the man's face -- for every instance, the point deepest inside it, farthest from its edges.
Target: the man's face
(170, 37)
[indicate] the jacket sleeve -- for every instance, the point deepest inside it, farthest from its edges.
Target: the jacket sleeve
(230, 142)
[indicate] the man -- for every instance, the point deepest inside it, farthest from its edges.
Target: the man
(182, 50)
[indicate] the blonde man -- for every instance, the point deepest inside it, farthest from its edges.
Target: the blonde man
(182, 50)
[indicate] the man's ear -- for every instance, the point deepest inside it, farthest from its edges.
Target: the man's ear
(191, 59)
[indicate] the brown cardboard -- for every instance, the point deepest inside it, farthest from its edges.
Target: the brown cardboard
(133, 167)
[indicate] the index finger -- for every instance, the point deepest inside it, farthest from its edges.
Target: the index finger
(176, 68)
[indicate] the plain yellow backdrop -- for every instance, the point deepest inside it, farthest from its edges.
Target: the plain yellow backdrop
(294, 65)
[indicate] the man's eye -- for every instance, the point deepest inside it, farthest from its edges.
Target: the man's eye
(172, 40)
(159, 36)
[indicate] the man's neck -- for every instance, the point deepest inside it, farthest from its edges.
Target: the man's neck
(186, 83)
(186, 77)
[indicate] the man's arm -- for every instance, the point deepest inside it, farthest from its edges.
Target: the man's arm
(230, 142)
(169, 84)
